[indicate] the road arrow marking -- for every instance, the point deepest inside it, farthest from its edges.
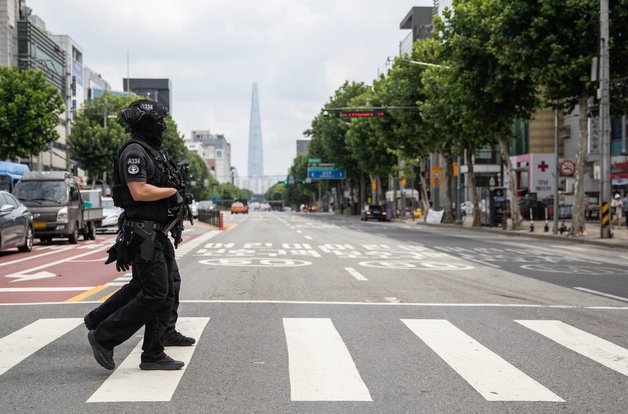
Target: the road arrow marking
(22, 277)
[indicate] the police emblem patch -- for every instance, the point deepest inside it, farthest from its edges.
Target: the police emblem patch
(133, 169)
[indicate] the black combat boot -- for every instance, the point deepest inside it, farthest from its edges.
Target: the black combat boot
(103, 356)
(166, 363)
(178, 339)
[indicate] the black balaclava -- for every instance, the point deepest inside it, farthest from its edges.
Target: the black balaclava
(147, 123)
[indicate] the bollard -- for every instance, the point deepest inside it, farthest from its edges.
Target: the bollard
(546, 228)
(222, 227)
(531, 219)
(504, 222)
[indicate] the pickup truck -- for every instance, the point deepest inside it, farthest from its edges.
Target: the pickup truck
(57, 205)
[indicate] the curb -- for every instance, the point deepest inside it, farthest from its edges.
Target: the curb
(549, 236)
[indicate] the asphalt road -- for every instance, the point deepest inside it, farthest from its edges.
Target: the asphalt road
(319, 313)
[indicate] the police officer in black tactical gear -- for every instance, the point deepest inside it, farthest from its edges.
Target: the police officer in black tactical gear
(143, 187)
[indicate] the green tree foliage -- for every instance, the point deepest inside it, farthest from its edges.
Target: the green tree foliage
(92, 145)
(29, 113)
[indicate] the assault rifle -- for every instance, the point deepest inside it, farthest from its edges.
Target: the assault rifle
(184, 211)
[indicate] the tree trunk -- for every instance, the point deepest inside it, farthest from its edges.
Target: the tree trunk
(477, 214)
(515, 210)
(425, 201)
(448, 216)
(362, 192)
(577, 220)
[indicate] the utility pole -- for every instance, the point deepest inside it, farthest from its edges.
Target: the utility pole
(556, 172)
(605, 122)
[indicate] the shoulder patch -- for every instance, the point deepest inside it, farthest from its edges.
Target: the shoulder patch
(133, 169)
(133, 161)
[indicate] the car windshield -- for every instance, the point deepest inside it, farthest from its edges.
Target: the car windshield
(41, 190)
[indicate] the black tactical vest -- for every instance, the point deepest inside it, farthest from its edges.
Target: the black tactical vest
(164, 174)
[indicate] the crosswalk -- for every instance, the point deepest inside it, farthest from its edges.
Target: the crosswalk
(320, 365)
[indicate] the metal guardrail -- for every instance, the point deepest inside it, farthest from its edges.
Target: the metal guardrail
(212, 216)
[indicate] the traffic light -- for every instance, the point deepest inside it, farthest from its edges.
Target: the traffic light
(303, 182)
(285, 181)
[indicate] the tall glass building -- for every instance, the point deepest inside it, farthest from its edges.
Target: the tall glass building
(256, 159)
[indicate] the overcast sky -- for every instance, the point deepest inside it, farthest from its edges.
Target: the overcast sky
(298, 51)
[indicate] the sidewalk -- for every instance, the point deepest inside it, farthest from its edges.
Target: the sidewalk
(591, 236)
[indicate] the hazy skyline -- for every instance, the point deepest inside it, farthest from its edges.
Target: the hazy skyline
(299, 52)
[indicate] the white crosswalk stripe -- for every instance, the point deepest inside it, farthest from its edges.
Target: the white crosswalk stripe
(129, 383)
(598, 349)
(493, 377)
(22, 343)
(320, 366)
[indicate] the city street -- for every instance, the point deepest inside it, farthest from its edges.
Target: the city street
(323, 313)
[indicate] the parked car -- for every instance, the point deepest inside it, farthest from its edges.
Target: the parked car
(205, 205)
(111, 215)
(16, 224)
(238, 207)
(373, 211)
(194, 208)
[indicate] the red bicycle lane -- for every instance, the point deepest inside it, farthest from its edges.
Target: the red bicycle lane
(61, 272)
(57, 272)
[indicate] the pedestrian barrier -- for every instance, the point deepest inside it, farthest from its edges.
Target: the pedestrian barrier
(211, 216)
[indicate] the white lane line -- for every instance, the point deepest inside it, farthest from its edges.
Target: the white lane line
(299, 231)
(607, 295)
(321, 368)
(308, 237)
(129, 383)
(29, 257)
(67, 259)
(45, 289)
(492, 376)
(593, 347)
(355, 273)
(22, 343)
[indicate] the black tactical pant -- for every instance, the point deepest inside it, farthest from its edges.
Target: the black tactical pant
(151, 306)
(130, 290)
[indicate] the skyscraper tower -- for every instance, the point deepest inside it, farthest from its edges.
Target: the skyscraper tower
(256, 159)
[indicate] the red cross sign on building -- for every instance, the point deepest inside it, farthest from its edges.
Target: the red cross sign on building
(542, 166)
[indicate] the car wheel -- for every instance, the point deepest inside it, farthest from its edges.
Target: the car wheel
(73, 238)
(28, 241)
(91, 232)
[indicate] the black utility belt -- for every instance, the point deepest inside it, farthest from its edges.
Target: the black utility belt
(147, 225)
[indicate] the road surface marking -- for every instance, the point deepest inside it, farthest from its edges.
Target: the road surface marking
(104, 298)
(308, 237)
(595, 292)
(67, 259)
(129, 383)
(45, 289)
(187, 247)
(391, 299)
(29, 257)
(599, 350)
(321, 368)
(355, 273)
(87, 294)
(22, 343)
(493, 377)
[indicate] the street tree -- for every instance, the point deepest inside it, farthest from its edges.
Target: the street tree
(29, 113)
(493, 93)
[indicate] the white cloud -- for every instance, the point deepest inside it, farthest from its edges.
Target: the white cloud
(299, 52)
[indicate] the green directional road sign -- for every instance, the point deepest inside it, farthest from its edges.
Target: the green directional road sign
(313, 160)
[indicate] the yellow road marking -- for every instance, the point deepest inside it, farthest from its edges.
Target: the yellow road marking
(104, 298)
(231, 228)
(87, 294)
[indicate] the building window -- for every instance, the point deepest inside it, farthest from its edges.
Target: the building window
(219, 154)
